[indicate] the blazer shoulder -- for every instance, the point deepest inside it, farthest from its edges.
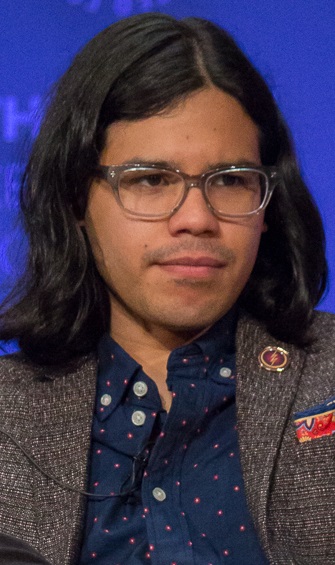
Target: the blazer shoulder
(320, 360)
(323, 327)
(16, 367)
(17, 370)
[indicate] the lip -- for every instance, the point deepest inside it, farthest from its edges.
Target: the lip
(194, 267)
(188, 261)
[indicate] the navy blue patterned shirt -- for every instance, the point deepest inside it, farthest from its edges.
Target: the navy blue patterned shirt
(176, 494)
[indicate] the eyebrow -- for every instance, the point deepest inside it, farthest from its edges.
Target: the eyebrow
(174, 165)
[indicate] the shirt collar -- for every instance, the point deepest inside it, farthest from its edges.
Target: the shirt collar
(211, 351)
(213, 347)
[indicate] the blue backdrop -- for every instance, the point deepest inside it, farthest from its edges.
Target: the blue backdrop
(292, 42)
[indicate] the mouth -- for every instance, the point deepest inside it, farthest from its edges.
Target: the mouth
(194, 267)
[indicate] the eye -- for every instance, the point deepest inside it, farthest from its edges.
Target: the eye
(246, 180)
(148, 179)
(228, 179)
(155, 179)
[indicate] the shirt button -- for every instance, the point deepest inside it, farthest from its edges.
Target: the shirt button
(159, 494)
(140, 389)
(225, 372)
(106, 399)
(138, 418)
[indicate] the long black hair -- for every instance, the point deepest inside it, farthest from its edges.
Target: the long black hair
(136, 68)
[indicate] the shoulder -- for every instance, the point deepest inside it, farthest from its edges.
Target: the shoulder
(17, 361)
(320, 359)
(323, 328)
(30, 393)
(16, 368)
(18, 372)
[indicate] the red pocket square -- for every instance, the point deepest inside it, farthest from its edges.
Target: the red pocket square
(316, 422)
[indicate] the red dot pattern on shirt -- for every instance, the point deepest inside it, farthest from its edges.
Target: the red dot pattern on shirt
(168, 528)
(196, 500)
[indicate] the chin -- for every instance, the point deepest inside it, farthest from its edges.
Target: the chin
(191, 323)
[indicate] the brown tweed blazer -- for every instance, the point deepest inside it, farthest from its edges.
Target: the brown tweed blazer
(290, 486)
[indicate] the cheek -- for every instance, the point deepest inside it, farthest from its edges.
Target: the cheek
(116, 247)
(244, 240)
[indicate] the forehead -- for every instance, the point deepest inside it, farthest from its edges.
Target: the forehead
(206, 128)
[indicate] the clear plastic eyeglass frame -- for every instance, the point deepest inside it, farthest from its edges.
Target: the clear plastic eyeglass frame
(114, 173)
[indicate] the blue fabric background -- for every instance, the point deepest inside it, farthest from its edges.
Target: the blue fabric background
(292, 43)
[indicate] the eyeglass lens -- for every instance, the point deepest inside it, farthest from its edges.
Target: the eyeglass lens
(158, 191)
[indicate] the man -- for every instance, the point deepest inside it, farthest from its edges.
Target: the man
(173, 248)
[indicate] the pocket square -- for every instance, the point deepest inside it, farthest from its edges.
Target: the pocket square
(316, 422)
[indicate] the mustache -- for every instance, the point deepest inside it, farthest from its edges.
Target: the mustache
(207, 248)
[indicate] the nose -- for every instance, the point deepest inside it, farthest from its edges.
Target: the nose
(194, 216)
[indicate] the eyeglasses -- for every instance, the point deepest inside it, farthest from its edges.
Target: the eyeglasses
(151, 192)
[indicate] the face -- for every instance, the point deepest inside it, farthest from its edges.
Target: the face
(179, 275)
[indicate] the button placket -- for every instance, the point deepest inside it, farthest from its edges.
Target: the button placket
(140, 389)
(106, 399)
(138, 418)
(159, 494)
(225, 372)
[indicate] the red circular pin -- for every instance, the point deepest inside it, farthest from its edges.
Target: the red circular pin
(274, 359)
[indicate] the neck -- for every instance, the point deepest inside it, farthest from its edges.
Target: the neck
(149, 346)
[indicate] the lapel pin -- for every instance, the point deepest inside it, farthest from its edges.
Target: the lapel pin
(274, 359)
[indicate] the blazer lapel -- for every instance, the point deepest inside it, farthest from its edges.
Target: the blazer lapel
(60, 444)
(264, 406)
